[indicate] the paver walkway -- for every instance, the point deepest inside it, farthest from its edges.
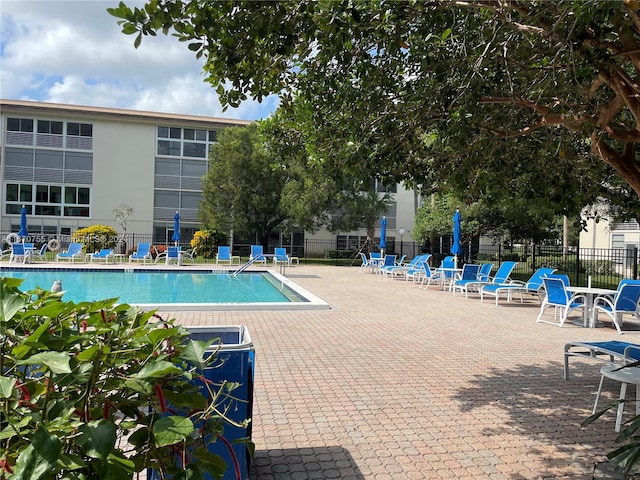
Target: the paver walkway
(395, 382)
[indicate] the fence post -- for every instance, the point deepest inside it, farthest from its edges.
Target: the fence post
(577, 272)
(635, 263)
(533, 256)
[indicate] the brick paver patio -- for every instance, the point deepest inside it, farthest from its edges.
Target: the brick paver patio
(395, 382)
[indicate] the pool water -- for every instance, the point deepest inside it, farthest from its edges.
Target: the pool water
(164, 288)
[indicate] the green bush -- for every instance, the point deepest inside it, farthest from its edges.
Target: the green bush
(205, 242)
(95, 237)
(77, 379)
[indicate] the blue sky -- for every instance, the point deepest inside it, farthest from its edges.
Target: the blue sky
(73, 52)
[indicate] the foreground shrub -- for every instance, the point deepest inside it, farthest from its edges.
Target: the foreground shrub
(97, 390)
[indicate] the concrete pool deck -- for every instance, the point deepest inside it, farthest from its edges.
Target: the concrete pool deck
(395, 382)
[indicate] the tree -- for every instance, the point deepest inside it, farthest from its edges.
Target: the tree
(317, 194)
(423, 89)
(241, 190)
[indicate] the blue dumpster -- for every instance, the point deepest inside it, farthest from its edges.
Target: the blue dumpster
(235, 363)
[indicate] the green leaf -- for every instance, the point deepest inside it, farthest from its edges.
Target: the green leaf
(171, 430)
(88, 353)
(194, 353)
(97, 438)
(6, 386)
(57, 362)
(11, 300)
(39, 458)
(158, 369)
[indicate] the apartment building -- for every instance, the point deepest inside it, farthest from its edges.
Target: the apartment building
(72, 166)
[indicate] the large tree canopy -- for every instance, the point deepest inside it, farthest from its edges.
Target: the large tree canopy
(444, 95)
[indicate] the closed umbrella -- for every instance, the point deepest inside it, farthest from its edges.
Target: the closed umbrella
(176, 229)
(456, 246)
(383, 235)
(23, 233)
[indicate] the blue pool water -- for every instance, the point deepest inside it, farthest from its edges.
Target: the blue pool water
(161, 288)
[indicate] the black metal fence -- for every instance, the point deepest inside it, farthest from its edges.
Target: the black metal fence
(605, 266)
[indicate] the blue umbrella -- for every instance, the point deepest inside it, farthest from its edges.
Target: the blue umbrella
(456, 246)
(383, 234)
(176, 229)
(23, 233)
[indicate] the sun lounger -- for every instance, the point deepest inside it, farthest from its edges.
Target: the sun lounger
(612, 351)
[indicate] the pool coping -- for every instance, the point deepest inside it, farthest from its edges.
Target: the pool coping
(310, 302)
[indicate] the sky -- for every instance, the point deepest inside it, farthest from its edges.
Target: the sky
(73, 52)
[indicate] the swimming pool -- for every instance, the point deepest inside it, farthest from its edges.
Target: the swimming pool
(174, 290)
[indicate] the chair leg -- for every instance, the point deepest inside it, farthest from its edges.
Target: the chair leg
(595, 405)
(623, 394)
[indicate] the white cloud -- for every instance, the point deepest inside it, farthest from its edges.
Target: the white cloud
(73, 52)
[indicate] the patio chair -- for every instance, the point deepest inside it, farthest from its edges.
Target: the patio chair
(257, 255)
(387, 261)
(445, 272)
(533, 286)
(558, 298)
(502, 276)
(470, 271)
(419, 274)
(105, 254)
(281, 256)
(624, 302)
(40, 255)
(173, 255)
(484, 275)
(612, 351)
(73, 253)
(224, 255)
(19, 253)
(142, 254)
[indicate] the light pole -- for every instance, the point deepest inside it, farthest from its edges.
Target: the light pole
(401, 232)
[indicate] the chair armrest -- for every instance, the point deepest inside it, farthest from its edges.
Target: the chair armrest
(603, 300)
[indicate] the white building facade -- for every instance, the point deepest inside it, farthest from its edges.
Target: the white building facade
(72, 166)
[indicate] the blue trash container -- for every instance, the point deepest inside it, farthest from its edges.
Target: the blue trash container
(237, 356)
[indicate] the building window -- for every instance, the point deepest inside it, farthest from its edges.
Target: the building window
(188, 142)
(47, 200)
(19, 125)
(47, 126)
(79, 129)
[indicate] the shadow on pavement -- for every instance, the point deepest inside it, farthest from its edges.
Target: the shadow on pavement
(310, 462)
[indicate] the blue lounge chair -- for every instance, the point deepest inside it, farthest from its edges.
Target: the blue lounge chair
(558, 298)
(501, 277)
(104, 254)
(257, 255)
(484, 274)
(399, 271)
(444, 273)
(533, 286)
(624, 302)
(387, 261)
(470, 271)
(420, 273)
(142, 254)
(281, 256)
(224, 255)
(612, 351)
(73, 253)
